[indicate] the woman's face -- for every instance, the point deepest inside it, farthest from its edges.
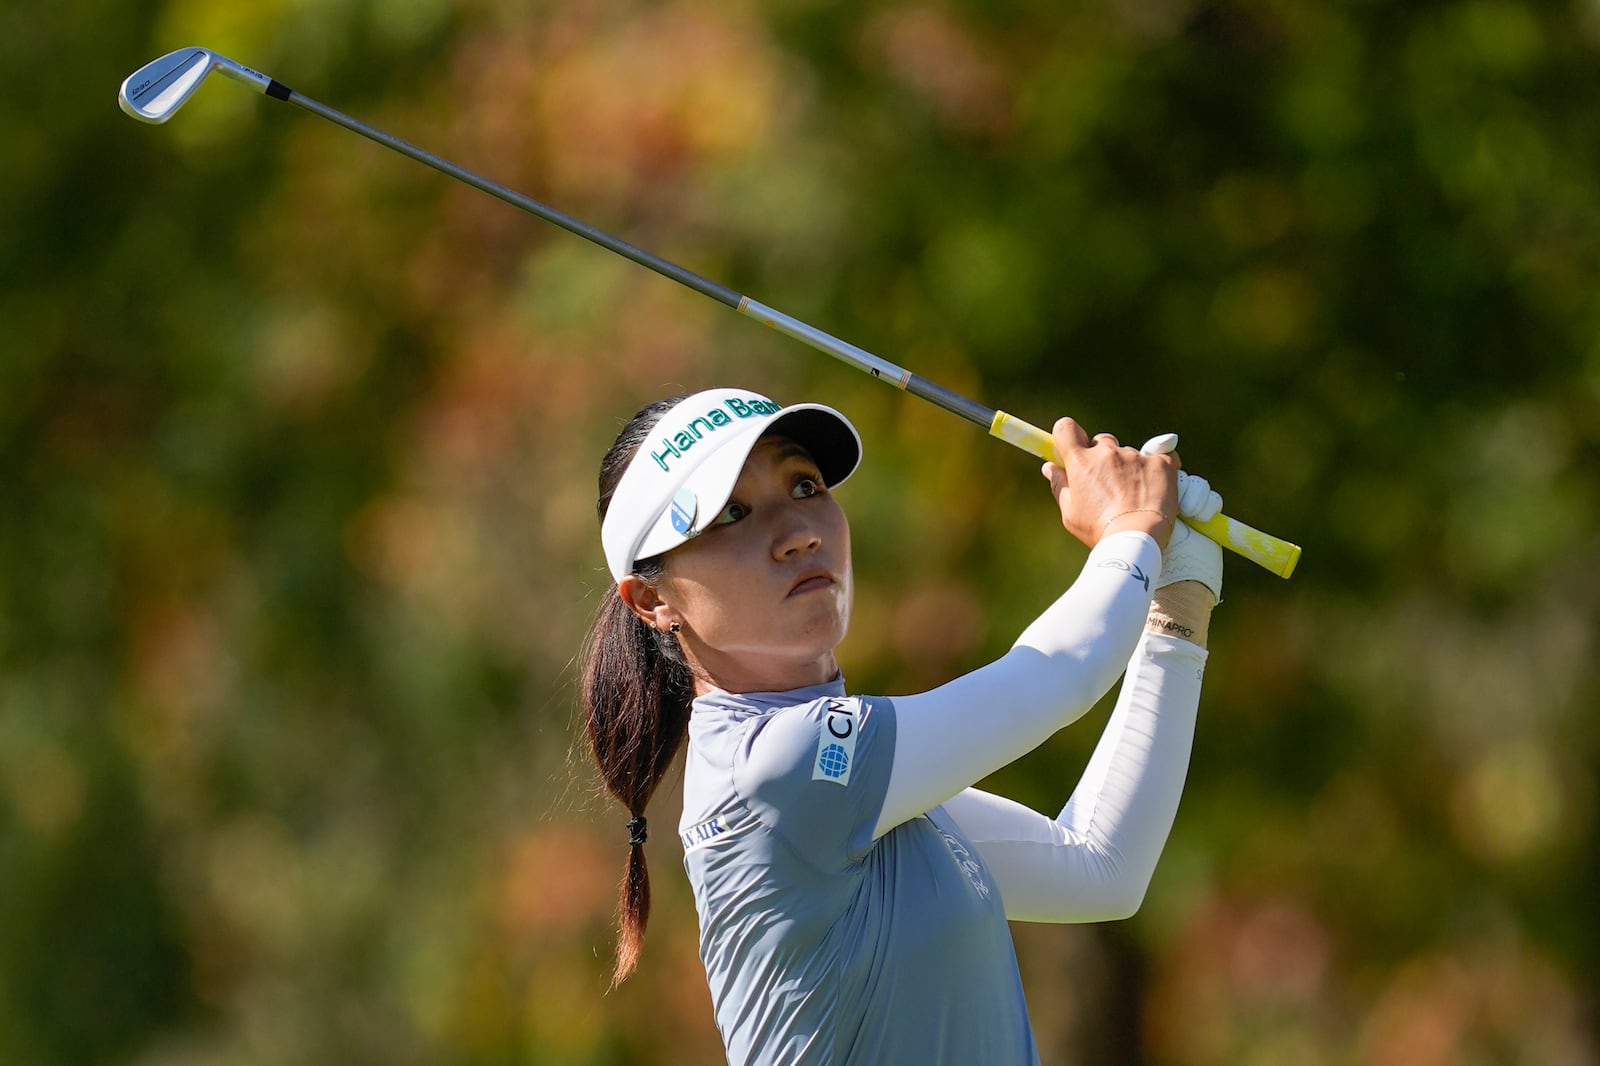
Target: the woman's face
(763, 595)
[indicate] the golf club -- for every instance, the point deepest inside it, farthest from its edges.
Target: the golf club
(155, 91)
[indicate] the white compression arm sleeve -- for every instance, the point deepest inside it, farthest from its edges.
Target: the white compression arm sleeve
(1095, 860)
(951, 737)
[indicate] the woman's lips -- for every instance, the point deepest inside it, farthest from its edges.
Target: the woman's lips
(811, 584)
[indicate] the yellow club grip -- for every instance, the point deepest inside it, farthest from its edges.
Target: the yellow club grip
(1263, 549)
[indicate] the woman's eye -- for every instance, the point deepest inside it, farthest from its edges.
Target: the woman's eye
(731, 513)
(807, 486)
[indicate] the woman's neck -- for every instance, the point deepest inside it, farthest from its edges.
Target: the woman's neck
(764, 677)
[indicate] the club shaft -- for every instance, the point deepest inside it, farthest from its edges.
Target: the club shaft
(1277, 555)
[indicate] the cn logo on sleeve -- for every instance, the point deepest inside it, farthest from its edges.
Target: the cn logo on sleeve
(836, 745)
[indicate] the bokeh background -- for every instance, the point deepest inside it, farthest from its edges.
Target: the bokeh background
(298, 443)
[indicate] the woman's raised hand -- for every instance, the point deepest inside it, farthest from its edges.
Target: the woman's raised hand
(1103, 487)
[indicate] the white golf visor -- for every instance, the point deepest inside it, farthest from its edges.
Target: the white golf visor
(683, 473)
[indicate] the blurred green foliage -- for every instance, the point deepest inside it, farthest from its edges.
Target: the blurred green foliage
(299, 441)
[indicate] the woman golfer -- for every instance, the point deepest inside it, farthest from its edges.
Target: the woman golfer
(853, 888)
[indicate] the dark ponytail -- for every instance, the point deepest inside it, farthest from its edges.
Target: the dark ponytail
(636, 693)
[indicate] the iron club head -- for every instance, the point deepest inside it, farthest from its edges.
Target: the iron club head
(156, 90)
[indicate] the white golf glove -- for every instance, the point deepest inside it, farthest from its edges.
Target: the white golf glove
(1195, 498)
(1191, 557)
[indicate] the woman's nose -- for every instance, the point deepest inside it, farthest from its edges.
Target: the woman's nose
(796, 535)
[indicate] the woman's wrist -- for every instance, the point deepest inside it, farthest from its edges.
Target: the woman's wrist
(1157, 524)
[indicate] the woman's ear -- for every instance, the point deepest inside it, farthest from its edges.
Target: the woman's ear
(645, 602)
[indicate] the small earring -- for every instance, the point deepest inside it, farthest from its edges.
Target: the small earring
(675, 627)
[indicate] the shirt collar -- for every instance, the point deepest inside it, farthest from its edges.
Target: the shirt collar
(744, 703)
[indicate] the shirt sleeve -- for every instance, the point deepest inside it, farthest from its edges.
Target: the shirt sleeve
(816, 774)
(1063, 663)
(1094, 861)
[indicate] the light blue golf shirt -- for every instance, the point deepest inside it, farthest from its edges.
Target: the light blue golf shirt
(822, 946)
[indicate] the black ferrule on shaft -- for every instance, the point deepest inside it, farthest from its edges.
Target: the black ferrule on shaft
(278, 90)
